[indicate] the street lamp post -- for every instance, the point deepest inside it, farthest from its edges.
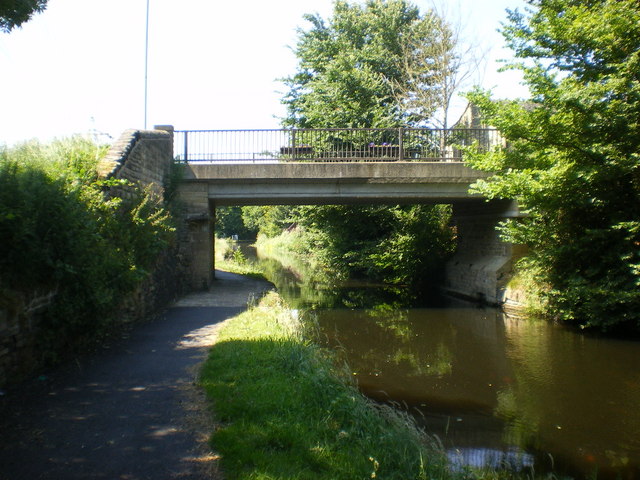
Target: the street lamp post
(146, 66)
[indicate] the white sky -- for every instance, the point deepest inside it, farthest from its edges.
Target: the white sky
(213, 64)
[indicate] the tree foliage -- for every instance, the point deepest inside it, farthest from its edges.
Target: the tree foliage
(229, 222)
(14, 13)
(400, 244)
(269, 220)
(573, 160)
(349, 65)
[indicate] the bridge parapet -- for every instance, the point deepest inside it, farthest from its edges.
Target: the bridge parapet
(331, 144)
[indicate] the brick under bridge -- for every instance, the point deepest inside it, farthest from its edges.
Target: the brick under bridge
(337, 166)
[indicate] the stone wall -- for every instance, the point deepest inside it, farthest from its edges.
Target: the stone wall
(141, 157)
(198, 243)
(18, 329)
(144, 158)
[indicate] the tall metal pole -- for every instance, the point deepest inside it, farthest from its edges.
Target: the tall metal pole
(146, 66)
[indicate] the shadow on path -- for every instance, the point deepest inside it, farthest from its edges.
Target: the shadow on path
(130, 412)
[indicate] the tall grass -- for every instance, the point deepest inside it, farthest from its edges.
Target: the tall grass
(527, 282)
(288, 412)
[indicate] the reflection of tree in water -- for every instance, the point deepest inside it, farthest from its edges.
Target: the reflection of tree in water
(304, 285)
(516, 401)
(382, 341)
(379, 307)
(396, 324)
(521, 423)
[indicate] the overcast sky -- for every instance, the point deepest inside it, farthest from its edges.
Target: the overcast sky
(79, 66)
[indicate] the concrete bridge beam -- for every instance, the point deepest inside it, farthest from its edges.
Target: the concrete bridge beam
(334, 183)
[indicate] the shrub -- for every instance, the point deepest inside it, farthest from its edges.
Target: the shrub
(60, 233)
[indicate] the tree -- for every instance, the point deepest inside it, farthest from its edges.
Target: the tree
(269, 220)
(402, 244)
(435, 65)
(348, 66)
(14, 13)
(229, 222)
(573, 161)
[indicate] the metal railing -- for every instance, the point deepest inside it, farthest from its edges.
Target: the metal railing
(330, 145)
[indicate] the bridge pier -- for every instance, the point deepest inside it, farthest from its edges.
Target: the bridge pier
(483, 263)
(199, 244)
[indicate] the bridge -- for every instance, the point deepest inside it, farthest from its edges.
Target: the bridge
(335, 166)
(331, 166)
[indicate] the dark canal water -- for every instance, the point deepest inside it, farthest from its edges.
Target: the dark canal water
(495, 390)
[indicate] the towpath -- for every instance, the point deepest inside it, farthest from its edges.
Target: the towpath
(131, 411)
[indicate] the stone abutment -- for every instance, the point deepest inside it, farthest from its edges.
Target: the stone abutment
(483, 263)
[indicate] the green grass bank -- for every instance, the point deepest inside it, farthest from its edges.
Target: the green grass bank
(288, 412)
(232, 260)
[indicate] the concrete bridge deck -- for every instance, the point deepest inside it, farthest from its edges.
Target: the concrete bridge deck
(330, 183)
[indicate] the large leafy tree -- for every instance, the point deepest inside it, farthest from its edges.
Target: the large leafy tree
(573, 160)
(14, 13)
(349, 65)
(402, 244)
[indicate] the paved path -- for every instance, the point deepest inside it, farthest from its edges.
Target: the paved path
(130, 412)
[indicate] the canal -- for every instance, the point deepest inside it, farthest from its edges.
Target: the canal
(495, 390)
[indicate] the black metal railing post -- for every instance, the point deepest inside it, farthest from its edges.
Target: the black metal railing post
(294, 155)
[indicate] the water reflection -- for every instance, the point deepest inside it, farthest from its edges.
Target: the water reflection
(309, 288)
(490, 458)
(492, 388)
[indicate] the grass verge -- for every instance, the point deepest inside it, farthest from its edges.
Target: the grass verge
(287, 412)
(232, 260)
